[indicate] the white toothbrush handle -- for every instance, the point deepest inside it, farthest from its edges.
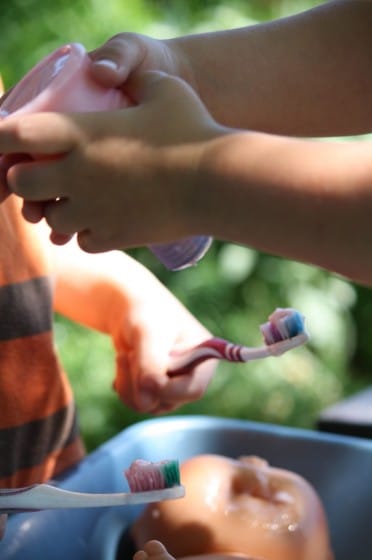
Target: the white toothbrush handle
(44, 496)
(220, 349)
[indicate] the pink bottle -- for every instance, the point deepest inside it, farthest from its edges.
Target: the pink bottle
(61, 82)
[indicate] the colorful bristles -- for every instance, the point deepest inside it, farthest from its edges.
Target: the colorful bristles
(282, 325)
(143, 475)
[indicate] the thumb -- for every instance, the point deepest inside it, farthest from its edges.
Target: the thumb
(115, 60)
(150, 85)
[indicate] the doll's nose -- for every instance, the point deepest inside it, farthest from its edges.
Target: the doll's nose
(251, 479)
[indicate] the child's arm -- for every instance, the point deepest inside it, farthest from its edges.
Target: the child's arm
(175, 172)
(308, 74)
(116, 295)
(300, 199)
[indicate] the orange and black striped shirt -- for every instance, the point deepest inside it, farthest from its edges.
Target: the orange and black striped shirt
(39, 434)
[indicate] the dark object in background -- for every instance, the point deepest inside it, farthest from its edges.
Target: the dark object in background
(352, 416)
(126, 548)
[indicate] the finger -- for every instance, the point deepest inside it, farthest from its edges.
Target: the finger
(159, 395)
(38, 133)
(123, 380)
(4, 192)
(125, 384)
(60, 238)
(144, 86)
(147, 86)
(38, 180)
(93, 242)
(113, 61)
(63, 218)
(161, 400)
(149, 360)
(164, 408)
(33, 211)
(189, 387)
(8, 160)
(5, 163)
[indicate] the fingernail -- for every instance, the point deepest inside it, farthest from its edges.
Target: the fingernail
(106, 63)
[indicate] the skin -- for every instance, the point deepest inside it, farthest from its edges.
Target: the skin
(208, 147)
(241, 508)
(155, 550)
(114, 294)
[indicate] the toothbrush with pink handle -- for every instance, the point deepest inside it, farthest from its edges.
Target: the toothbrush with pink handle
(283, 331)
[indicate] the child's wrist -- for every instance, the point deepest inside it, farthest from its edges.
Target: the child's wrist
(187, 186)
(180, 62)
(208, 203)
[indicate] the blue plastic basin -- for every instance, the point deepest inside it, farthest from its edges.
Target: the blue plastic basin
(339, 467)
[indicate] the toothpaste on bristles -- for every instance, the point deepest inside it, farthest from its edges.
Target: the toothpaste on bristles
(143, 476)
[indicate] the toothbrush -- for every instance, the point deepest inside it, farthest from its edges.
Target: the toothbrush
(148, 482)
(283, 331)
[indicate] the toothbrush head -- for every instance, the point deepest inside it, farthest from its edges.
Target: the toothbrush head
(144, 476)
(284, 330)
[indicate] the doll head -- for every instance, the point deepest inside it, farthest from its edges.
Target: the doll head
(239, 507)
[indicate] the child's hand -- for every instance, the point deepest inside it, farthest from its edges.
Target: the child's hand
(154, 325)
(155, 550)
(128, 53)
(114, 294)
(121, 178)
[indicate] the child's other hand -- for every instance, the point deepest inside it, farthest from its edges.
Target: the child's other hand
(119, 179)
(153, 325)
(114, 294)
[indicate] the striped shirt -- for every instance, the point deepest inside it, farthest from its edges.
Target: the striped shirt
(39, 435)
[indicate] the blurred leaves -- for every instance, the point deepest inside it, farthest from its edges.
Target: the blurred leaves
(234, 288)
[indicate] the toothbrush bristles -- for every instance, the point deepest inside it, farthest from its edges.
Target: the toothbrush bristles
(283, 324)
(145, 476)
(171, 473)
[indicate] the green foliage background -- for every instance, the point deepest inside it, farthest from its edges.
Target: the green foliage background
(234, 288)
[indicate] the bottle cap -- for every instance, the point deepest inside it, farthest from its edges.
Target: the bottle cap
(182, 254)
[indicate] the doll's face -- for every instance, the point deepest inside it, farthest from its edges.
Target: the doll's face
(239, 506)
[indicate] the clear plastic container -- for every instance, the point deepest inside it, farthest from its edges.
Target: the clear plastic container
(61, 82)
